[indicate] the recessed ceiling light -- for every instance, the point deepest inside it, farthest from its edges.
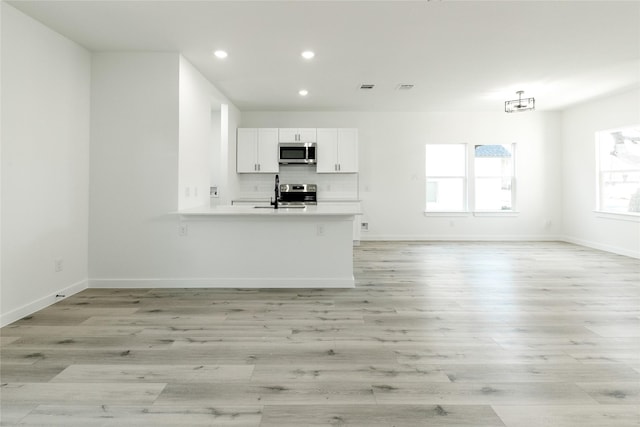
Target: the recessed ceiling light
(220, 54)
(303, 92)
(307, 54)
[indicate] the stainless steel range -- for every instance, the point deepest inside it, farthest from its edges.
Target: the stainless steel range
(298, 194)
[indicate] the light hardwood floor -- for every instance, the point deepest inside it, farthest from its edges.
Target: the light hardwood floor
(434, 334)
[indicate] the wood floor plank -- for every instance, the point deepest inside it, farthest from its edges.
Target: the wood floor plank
(78, 342)
(33, 373)
(569, 415)
(154, 373)
(613, 393)
(266, 393)
(541, 393)
(348, 372)
(81, 393)
(151, 415)
(380, 416)
(550, 372)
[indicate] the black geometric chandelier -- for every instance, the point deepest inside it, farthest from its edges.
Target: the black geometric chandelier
(520, 104)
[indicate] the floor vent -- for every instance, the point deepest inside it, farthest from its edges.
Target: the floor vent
(367, 86)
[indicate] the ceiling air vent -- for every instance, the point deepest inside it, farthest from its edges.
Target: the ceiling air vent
(367, 86)
(404, 87)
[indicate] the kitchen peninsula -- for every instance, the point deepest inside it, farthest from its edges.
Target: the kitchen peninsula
(303, 247)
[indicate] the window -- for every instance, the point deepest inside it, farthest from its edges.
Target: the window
(494, 177)
(448, 189)
(446, 166)
(618, 170)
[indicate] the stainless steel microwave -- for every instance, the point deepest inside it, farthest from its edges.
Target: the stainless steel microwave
(297, 153)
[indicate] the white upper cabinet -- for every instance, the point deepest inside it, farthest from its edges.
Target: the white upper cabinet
(257, 150)
(337, 150)
(348, 150)
(297, 135)
(327, 151)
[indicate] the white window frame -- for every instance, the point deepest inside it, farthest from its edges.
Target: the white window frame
(598, 175)
(469, 185)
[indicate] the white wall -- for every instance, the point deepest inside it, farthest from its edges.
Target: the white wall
(392, 170)
(136, 128)
(134, 163)
(45, 165)
(581, 224)
(194, 131)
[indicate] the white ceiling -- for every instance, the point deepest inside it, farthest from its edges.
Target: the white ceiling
(460, 55)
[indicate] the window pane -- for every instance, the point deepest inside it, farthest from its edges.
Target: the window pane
(494, 170)
(620, 192)
(493, 160)
(445, 160)
(619, 164)
(493, 194)
(445, 194)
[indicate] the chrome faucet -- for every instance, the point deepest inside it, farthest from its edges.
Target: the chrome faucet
(277, 193)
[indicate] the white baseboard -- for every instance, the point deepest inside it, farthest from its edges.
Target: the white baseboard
(602, 247)
(460, 238)
(32, 307)
(273, 282)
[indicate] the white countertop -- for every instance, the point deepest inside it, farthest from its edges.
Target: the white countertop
(263, 200)
(235, 210)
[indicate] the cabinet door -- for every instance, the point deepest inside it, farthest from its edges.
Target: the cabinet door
(347, 150)
(327, 155)
(307, 135)
(247, 150)
(288, 135)
(268, 150)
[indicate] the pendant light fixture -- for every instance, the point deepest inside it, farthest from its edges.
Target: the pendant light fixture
(520, 104)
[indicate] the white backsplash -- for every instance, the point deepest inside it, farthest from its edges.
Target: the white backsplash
(331, 186)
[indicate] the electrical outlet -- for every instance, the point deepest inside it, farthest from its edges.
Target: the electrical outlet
(58, 265)
(213, 191)
(364, 226)
(183, 230)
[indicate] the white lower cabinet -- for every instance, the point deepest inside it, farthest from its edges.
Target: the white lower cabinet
(337, 150)
(257, 150)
